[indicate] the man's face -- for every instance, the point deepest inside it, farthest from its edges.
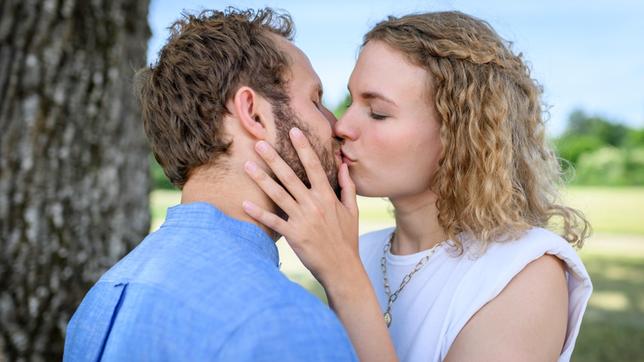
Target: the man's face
(306, 112)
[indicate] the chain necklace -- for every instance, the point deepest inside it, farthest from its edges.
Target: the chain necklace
(391, 298)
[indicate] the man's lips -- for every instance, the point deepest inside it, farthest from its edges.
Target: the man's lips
(338, 156)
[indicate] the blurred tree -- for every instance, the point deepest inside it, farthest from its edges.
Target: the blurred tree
(580, 123)
(74, 174)
(571, 147)
(635, 138)
(605, 166)
(585, 134)
(343, 106)
(635, 165)
(159, 180)
(611, 166)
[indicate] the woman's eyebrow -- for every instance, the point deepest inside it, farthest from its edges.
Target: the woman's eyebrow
(373, 95)
(376, 95)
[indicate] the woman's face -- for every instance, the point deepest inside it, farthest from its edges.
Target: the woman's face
(391, 130)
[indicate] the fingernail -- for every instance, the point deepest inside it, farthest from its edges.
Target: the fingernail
(248, 206)
(250, 166)
(261, 146)
(296, 132)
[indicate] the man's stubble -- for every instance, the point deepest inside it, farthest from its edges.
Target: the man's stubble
(285, 119)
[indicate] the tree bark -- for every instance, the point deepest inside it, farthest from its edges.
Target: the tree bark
(74, 176)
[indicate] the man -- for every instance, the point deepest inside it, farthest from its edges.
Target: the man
(206, 285)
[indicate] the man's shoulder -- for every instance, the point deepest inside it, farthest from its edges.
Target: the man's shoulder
(183, 258)
(298, 327)
(221, 301)
(206, 278)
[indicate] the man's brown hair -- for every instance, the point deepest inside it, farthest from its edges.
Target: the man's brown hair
(205, 60)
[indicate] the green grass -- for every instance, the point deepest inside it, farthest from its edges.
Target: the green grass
(613, 326)
(610, 210)
(160, 200)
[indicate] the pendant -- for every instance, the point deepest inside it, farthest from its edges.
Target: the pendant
(387, 318)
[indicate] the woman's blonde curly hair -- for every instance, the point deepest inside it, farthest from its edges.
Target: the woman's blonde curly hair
(497, 175)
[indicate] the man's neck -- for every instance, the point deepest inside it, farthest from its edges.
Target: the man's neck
(227, 192)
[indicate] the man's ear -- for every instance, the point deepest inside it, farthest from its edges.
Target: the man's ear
(249, 107)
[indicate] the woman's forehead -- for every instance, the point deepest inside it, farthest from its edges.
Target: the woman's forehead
(383, 70)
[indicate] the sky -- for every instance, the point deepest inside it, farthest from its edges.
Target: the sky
(587, 55)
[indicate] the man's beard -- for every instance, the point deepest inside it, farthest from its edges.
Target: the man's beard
(285, 119)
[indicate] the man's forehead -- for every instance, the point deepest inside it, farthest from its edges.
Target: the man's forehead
(300, 65)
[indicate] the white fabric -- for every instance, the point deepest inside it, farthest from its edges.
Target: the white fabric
(440, 299)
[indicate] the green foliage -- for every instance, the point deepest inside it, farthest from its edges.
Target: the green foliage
(635, 165)
(573, 146)
(611, 166)
(606, 166)
(579, 123)
(635, 138)
(342, 107)
(601, 151)
(159, 180)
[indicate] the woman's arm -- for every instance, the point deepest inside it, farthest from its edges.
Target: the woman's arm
(357, 307)
(323, 232)
(525, 322)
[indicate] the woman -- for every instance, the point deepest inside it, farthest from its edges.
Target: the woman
(446, 123)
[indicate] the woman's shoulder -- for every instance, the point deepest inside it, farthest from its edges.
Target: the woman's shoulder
(533, 244)
(529, 265)
(489, 271)
(535, 240)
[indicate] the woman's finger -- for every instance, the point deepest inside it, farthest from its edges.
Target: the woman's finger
(267, 218)
(276, 192)
(348, 194)
(282, 170)
(309, 159)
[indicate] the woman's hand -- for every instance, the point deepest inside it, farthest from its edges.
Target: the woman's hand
(322, 230)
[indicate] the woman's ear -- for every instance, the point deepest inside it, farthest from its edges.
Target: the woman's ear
(249, 107)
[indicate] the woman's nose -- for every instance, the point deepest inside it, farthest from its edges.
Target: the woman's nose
(345, 128)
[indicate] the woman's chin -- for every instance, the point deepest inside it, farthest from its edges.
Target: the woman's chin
(366, 191)
(367, 186)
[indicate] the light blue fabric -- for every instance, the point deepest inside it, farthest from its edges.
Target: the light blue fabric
(203, 287)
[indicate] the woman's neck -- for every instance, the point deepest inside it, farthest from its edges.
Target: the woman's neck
(417, 226)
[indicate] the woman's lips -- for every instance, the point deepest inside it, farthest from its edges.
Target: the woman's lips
(346, 159)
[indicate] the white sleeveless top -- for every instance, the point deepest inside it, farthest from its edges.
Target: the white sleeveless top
(441, 298)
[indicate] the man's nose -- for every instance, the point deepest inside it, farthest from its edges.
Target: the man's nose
(330, 117)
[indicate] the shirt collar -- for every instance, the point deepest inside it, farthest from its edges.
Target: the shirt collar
(206, 216)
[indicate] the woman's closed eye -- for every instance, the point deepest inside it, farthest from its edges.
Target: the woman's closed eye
(377, 116)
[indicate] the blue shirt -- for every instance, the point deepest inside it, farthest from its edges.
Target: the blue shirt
(203, 287)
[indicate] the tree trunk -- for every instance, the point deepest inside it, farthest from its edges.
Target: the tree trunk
(74, 177)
